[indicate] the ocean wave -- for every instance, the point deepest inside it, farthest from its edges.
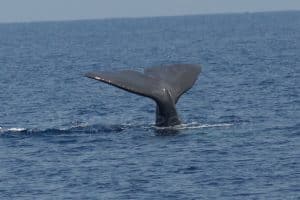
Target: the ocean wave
(108, 128)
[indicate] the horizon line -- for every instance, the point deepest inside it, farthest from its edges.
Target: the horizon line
(146, 16)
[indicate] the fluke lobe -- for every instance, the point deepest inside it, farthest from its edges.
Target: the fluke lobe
(164, 84)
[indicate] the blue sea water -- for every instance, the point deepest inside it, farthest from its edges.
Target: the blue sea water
(64, 136)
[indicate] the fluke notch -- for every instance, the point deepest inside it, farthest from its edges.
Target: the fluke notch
(164, 84)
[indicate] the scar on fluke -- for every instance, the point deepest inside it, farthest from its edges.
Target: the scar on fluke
(164, 84)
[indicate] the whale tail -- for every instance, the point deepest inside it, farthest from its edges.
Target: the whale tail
(163, 84)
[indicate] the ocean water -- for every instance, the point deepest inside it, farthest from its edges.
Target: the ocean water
(64, 136)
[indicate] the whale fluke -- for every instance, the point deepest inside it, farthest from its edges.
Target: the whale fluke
(164, 84)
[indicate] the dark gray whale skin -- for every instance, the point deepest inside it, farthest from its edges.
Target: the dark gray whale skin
(164, 84)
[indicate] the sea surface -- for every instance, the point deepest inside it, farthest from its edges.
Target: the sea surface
(64, 136)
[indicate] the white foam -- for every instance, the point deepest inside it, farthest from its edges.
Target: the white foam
(12, 129)
(195, 125)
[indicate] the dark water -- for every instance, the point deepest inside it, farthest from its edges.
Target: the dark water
(65, 136)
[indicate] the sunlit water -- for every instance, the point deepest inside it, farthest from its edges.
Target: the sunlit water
(65, 136)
